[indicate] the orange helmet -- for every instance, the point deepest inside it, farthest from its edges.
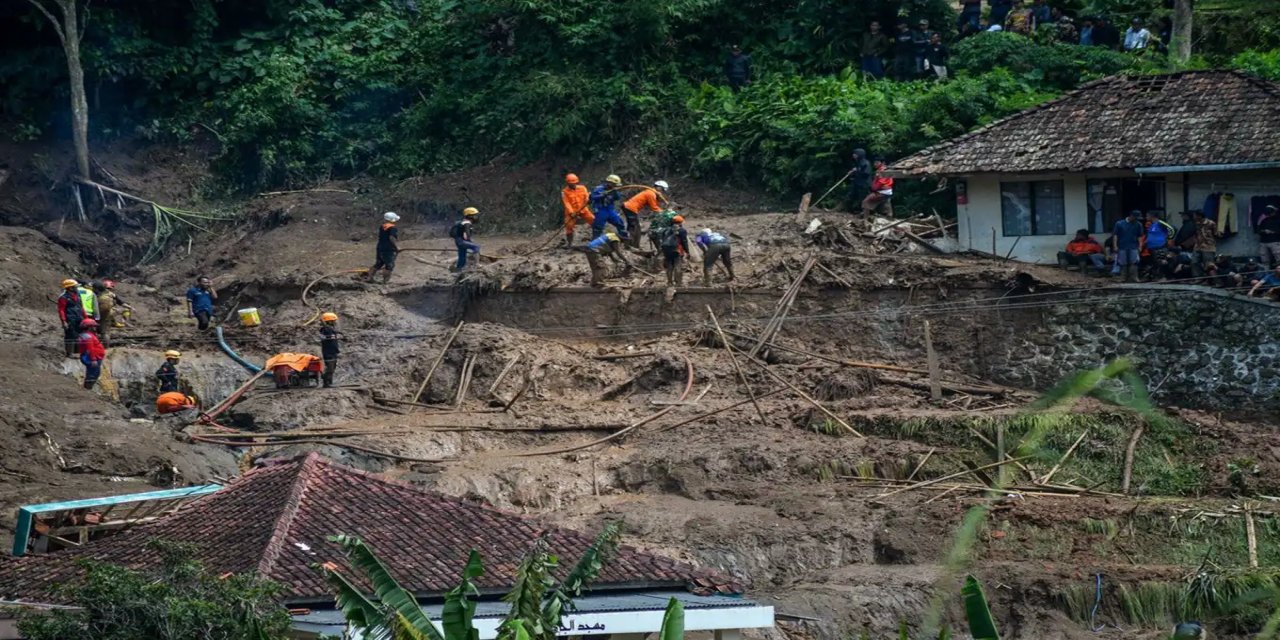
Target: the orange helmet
(571, 178)
(678, 219)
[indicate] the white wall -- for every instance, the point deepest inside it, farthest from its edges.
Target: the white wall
(982, 214)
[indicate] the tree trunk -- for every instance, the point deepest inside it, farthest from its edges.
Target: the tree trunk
(79, 105)
(1182, 19)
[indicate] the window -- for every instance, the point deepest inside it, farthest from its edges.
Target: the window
(1033, 208)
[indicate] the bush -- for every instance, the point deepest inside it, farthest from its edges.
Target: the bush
(1264, 64)
(1047, 65)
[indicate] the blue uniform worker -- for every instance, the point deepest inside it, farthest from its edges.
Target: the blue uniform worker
(461, 234)
(605, 201)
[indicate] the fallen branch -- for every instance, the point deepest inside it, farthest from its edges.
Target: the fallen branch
(783, 308)
(808, 398)
(737, 367)
(1070, 450)
(1128, 458)
(283, 193)
(493, 388)
(955, 475)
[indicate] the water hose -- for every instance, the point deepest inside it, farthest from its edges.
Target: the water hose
(222, 342)
(1097, 602)
(317, 280)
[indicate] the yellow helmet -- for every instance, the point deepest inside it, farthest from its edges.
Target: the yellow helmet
(612, 237)
(613, 179)
(329, 316)
(172, 354)
(470, 211)
(69, 283)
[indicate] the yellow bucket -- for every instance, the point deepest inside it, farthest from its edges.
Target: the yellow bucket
(250, 318)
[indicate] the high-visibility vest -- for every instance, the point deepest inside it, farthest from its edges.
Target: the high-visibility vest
(88, 302)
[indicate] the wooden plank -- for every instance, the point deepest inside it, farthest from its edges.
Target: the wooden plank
(443, 351)
(935, 378)
(736, 367)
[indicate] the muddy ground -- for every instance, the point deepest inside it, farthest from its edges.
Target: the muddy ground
(784, 497)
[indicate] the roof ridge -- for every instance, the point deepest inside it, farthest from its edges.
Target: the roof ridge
(1088, 86)
(275, 544)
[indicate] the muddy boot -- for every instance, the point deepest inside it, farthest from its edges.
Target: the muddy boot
(568, 240)
(386, 277)
(706, 277)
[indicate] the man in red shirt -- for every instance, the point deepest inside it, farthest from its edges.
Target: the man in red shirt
(70, 312)
(92, 352)
(881, 195)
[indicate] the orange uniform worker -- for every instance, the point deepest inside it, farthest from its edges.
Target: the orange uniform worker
(174, 402)
(574, 197)
(646, 199)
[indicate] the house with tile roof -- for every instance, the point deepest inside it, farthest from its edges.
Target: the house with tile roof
(274, 521)
(1188, 141)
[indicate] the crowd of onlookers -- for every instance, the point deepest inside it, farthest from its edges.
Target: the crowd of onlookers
(1146, 247)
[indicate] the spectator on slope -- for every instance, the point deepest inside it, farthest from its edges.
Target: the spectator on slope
(1067, 32)
(1269, 236)
(875, 44)
(1106, 35)
(1041, 14)
(1086, 33)
(999, 14)
(904, 53)
(936, 56)
(921, 37)
(970, 14)
(1020, 20)
(1164, 35)
(737, 68)
(1186, 236)
(1136, 38)
(1268, 286)
(1206, 243)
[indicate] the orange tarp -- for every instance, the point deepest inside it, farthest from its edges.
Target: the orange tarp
(295, 361)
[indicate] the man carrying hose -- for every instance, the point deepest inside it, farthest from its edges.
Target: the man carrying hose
(646, 199)
(388, 247)
(605, 200)
(575, 198)
(329, 349)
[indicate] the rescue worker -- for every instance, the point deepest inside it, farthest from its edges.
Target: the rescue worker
(605, 200)
(329, 350)
(646, 199)
(167, 374)
(200, 299)
(575, 199)
(714, 246)
(461, 234)
(881, 196)
(656, 227)
(388, 247)
(675, 246)
(609, 245)
(174, 402)
(70, 312)
(106, 300)
(92, 353)
(88, 301)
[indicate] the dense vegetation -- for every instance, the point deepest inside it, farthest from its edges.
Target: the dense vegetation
(293, 92)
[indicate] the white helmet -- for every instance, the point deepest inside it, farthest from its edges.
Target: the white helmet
(705, 232)
(391, 216)
(662, 184)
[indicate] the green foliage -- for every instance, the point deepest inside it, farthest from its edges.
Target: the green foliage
(1051, 66)
(672, 621)
(1232, 600)
(1265, 64)
(977, 611)
(177, 601)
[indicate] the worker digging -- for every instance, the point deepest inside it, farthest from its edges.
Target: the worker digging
(645, 200)
(576, 202)
(609, 245)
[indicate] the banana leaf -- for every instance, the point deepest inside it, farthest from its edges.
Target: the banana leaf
(388, 590)
(977, 611)
(673, 621)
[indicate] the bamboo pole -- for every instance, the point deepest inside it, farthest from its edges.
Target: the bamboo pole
(1070, 450)
(1129, 452)
(808, 398)
(1251, 535)
(955, 475)
(935, 382)
(737, 367)
(443, 351)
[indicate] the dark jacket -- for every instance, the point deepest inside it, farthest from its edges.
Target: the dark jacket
(168, 375)
(1269, 228)
(937, 55)
(738, 66)
(874, 44)
(329, 337)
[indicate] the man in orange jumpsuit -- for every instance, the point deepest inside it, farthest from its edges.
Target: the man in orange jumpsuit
(173, 402)
(646, 199)
(574, 197)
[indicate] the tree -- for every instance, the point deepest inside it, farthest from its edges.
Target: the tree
(537, 600)
(177, 601)
(70, 30)
(1182, 19)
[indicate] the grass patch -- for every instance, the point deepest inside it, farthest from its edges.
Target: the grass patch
(1210, 595)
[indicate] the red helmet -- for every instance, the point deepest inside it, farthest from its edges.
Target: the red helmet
(571, 179)
(88, 323)
(110, 284)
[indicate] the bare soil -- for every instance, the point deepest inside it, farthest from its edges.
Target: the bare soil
(776, 501)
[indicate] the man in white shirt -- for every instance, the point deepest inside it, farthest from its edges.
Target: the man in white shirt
(1136, 37)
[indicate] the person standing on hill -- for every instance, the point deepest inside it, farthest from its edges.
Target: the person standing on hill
(737, 69)
(921, 38)
(881, 195)
(574, 197)
(200, 301)
(904, 53)
(167, 374)
(329, 348)
(70, 312)
(605, 200)
(875, 44)
(1269, 236)
(646, 199)
(388, 247)
(859, 181)
(92, 352)
(936, 56)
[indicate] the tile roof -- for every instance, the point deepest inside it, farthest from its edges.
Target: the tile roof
(274, 521)
(1122, 122)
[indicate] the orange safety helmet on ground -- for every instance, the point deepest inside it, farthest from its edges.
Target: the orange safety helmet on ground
(329, 316)
(571, 178)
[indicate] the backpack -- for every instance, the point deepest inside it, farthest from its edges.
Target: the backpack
(455, 231)
(670, 237)
(663, 219)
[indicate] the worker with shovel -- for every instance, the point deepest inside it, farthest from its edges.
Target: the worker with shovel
(605, 200)
(575, 199)
(461, 234)
(329, 337)
(646, 199)
(388, 247)
(167, 374)
(609, 245)
(881, 196)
